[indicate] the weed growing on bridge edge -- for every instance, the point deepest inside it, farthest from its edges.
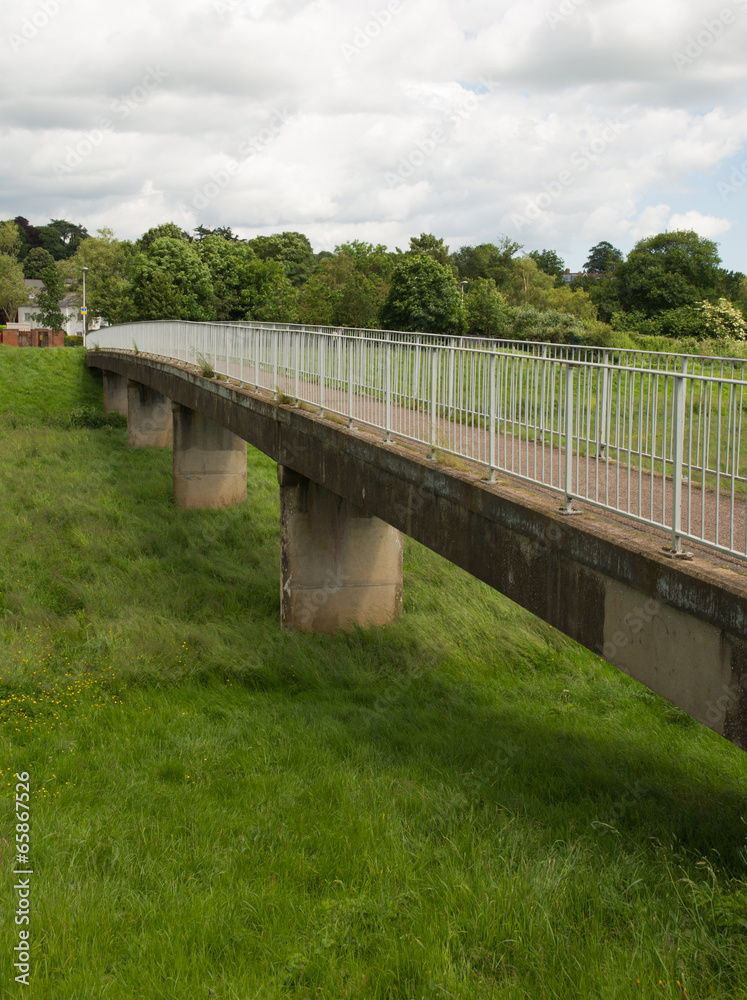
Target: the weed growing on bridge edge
(465, 802)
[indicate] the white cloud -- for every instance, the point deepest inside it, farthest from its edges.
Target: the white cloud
(378, 120)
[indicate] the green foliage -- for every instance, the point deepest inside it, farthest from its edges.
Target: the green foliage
(603, 258)
(432, 246)
(603, 292)
(48, 298)
(171, 282)
(486, 312)
(722, 320)
(423, 296)
(93, 417)
(36, 262)
(13, 292)
(229, 264)
(668, 271)
(290, 249)
(548, 261)
(109, 277)
(61, 238)
(168, 229)
(530, 323)
(10, 238)
(488, 260)
(268, 294)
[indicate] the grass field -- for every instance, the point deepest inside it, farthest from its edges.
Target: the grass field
(465, 804)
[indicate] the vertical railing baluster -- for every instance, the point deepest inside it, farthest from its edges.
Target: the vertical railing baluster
(678, 428)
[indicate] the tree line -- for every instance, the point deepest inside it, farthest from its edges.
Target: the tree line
(671, 284)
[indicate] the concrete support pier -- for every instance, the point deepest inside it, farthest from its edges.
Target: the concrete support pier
(115, 393)
(338, 565)
(149, 419)
(209, 462)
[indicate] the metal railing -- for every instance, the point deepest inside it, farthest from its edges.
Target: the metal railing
(654, 437)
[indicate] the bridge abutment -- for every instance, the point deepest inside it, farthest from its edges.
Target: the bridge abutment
(115, 393)
(339, 566)
(149, 418)
(209, 462)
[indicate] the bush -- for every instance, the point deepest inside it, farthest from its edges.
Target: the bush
(89, 416)
(75, 341)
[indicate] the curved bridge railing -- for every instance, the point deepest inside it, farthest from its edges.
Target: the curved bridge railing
(657, 438)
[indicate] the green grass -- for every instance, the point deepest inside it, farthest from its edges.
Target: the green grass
(464, 804)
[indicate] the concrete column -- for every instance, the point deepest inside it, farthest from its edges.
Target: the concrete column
(209, 462)
(339, 565)
(115, 393)
(149, 421)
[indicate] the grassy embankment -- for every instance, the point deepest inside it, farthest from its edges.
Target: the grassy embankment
(465, 804)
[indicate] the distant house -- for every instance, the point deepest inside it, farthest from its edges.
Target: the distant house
(69, 306)
(569, 275)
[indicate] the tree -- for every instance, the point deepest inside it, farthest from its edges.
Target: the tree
(486, 311)
(548, 261)
(227, 261)
(169, 229)
(487, 260)
(36, 262)
(13, 292)
(602, 291)
(109, 278)
(10, 238)
(171, 282)
(61, 238)
(424, 295)
(225, 232)
(603, 258)
(291, 249)
(431, 245)
(48, 300)
(268, 294)
(29, 236)
(667, 271)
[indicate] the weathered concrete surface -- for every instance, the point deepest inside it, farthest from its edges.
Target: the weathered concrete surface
(115, 393)
(589, 578)
(339, 565)
(149, 420)
(209, 462)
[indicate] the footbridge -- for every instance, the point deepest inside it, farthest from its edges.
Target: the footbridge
(604, 491)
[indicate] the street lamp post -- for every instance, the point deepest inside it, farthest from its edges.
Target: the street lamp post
(84, 310)
(463, 283)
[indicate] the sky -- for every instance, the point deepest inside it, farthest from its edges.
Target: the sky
(556, 123)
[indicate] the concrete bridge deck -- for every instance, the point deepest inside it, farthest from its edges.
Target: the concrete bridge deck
(678, 627)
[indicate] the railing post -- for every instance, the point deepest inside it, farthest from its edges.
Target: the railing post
(568, 503)
(322, 362)
(388, 389)
(434, 389)
(604, 375)
(297, 367)
(543, 380)
(680, 393)
(492, 433)
(350, 348)
(275, 387)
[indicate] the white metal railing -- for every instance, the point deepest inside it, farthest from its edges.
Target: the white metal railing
(654, 437)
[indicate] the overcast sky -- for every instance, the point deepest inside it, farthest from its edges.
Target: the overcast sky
(558, 124)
